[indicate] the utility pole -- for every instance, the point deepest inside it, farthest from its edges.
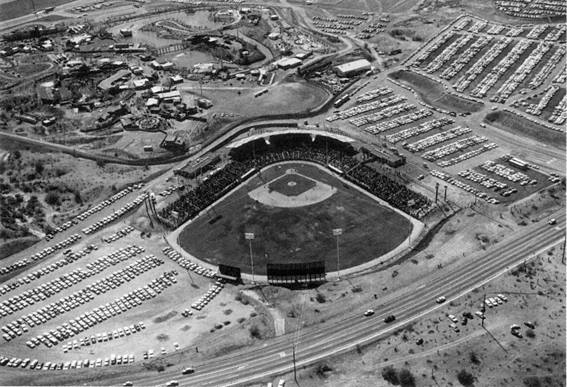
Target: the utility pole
(337, 232)
(294, 366)
(483, 310)
(249, 236)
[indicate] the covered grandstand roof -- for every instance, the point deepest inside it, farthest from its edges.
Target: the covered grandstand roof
(277, 132)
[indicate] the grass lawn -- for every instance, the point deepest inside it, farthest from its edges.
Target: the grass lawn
(433, 93)
(301, 234)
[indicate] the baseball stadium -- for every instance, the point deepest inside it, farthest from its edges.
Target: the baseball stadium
(296, 199)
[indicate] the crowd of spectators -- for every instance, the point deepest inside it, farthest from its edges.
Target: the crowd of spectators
(338, 156)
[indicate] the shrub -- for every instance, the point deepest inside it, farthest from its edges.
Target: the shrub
(321, 369)
(320, 297)
(52, 198)
(465, 378)
(474, 358)
(532, 381)
(406, 378)
(530, 333)
(390, 375)
(255, 332)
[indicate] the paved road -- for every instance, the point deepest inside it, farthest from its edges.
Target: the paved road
(340, 335)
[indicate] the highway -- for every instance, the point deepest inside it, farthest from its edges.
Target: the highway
(340, 335)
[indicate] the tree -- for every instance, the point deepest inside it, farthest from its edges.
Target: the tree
(52, 198)
(390, 375)
(465, 378)
(406, 378)
(39, 168)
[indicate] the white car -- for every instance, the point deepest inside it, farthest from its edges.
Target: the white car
(440, 300)
(369, 312)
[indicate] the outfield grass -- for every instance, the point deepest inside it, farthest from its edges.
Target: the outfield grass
(432, 92)
(302, 234)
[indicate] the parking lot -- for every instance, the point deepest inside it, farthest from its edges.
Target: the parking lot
(100, 299)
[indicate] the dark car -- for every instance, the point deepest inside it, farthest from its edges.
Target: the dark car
(390, 318)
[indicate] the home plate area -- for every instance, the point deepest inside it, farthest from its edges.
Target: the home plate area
(292, 190)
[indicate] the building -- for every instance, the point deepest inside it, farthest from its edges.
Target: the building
(170, 96)
(384, 156)
(350, 69)
(288, 63)
(173, 142)
(176, 79)
(204, 103)
(203, 68)
(141, 83)
(520, 164)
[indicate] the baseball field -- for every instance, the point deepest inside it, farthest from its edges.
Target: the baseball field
(292, 209)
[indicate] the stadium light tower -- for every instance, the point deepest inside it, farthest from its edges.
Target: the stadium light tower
(249, 236)
(338, 232)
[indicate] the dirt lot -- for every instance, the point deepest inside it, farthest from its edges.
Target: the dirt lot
(432, 93)
(514, 123)
(281, 98)
(479, 356)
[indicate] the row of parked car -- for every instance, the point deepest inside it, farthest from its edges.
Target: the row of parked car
(478, 67)
(386, 112)
(424, 54)
(467, 155)
(453, 147)
(448, 53)
(169, 190)
(92, 210)
(187, 264)
(521, 73)
(116, 214)
(40, 255)
(464, 186)
(398, 121)
(67, 365)
(482, 179)
(99, 207)
(104, 337)
(68, 257)
(65, 226)
(80, 297)
(559, 114)
(481, 89)
(464, 58)
(507, 173)
(47, 289)
(118, 234)
(366, 107)
(437, 138)
(547, 68)
(537, 109)
(208, 297)
(104, 312)
(415, 131)
(373, 94)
